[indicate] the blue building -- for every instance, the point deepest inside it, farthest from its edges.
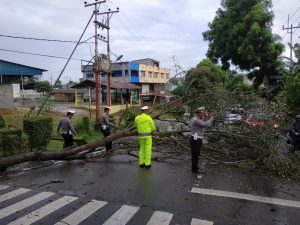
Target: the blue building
(145, 73)
(11, 72)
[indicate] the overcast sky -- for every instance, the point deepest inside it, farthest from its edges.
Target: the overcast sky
(157, 29)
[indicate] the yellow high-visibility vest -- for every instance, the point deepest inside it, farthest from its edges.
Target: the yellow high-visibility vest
(144, 125)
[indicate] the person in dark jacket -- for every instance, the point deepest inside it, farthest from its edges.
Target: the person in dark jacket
(105, 126)
(198, 124)
(66, 129)
(294, 134)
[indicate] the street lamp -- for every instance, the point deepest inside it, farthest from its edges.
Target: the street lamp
(118, 57)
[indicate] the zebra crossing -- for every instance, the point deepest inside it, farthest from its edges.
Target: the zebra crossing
(24, 206)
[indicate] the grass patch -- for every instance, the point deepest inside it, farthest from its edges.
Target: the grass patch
(54, 146)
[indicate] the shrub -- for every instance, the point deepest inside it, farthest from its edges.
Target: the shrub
(86, 124)
(11, 141)
(38, 130)
(2, 122)
(130, 115)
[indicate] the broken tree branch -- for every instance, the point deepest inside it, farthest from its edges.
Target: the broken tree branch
(8, 161)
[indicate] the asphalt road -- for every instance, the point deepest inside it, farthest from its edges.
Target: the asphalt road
(116, 191)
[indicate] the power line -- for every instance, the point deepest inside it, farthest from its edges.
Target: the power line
(37, 39)
(295, 12)
(66, 64)
(132, 32)
(127, 18)
(37, 54)
(294, 21)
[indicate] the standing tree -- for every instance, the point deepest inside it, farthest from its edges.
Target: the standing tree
(241, 34)
(42, 87)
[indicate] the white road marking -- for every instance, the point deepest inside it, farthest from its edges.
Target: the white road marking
(2, 187)
(122, 216)
(24, 203)
(160, 218)
(13, 194)
(255, 198)
(43, 211)
(82, 213)
(201, 222)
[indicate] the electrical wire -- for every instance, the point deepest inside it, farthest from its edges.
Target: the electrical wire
(39, 39)
(36, 39)
(37, 54)
(62, 71)
(127, 18)
(129, 30)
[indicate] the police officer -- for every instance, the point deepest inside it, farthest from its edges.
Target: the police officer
(145, 127)
(293, 135)
(66, 128)
(197, 133)
(105, 126)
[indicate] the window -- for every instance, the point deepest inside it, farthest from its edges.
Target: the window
(89, 75)
(150, 74)
(155, 75)
(116, 73)
(167, 76)
(134, 73)
(162, 76)
(143, 74)
(126, 73)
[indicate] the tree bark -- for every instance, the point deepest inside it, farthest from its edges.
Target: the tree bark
(8, 161)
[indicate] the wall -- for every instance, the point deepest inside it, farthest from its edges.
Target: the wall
(16, 90)
(145, 89)
(153, 74)
(6, 96)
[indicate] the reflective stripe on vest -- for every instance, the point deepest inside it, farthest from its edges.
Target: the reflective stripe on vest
(144, 134)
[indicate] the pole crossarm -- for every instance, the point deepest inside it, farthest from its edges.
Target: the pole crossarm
(96, 3)
(102, 25)
(109, 12)
(290, 31)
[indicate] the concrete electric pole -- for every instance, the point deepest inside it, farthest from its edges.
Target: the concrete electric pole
(109, 15)
(290, 31)
(96, 65)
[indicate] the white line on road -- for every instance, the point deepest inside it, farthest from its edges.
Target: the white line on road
(23, 204)
(201, 222)
(160, 218)
(255, 198)
(13, 194)
(82, 213)
(43, 211)
(2, 187)
(122, 216)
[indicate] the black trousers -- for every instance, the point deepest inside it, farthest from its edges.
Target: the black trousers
(195, 150)
(68, 138)
(106, 133)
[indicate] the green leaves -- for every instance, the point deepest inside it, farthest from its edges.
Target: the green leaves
(241, 34)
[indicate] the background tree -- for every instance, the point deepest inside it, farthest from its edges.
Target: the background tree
(290, 95)
(70, 84)
(59, 84)
(42, 87)
(241, 34)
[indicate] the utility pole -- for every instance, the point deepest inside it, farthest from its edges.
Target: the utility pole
(290, 31)
(109, 15)
(96, 66)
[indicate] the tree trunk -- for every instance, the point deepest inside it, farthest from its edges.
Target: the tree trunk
(8, 161)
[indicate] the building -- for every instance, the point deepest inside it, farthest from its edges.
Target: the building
(123, 95)
(14, 73)
(12, 77)
(145, 73)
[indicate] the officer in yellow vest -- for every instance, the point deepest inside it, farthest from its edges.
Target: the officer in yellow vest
(145, 126)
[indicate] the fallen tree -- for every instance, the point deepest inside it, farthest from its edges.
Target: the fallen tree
(66, 154)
